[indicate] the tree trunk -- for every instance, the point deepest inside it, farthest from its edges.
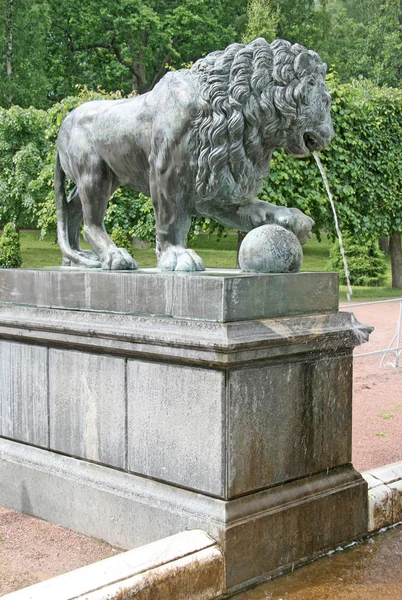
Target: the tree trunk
(9, 57)
(395, 250)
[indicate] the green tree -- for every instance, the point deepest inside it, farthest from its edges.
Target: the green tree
(261, 21)
(10, 248)
(130, 44)
(366, 262)
(365, 40)
(23, 148)
(302, 21)
(24, 28)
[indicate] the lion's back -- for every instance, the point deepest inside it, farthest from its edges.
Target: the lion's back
(129, 134)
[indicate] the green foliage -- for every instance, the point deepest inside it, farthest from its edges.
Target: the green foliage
(262, 21)
(133, 213)
(121, 239)
(302, 21)
(367, 264)
(22, 148)
(365, 40)
(129, 44)
(10, 249)
(29, 23)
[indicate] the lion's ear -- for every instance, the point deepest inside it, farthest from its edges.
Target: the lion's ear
(305, 64)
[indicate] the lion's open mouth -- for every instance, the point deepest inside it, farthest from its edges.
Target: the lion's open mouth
(311, 141)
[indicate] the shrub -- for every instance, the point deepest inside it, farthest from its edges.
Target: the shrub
(367, 264)
(120, 238)
(10, 249)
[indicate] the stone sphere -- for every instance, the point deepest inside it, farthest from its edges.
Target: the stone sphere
(270, 249)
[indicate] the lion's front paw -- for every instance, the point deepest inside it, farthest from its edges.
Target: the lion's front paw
(118, 259)
(180, 259)
(264, 213)
(301, 225)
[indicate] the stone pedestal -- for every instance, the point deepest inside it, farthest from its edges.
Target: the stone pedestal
(136, 405)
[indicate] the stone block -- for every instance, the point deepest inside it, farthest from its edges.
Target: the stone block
(261, 533)
(396, 490)
(388, 473)
(87, 399)
(123, 509)
(379, 507)
(372, 481)
(306, 401)
(23, 393)
(292, 522)
(214, 417)
(214, 295)
(176, 429)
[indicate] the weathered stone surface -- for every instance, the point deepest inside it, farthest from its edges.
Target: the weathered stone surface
(371, 480)
(87, 398)
(176, 424)
(292, 522)
(23, 393)
(214, 295)
(181, 340)
(186, 566)
(396, 490)
(385, 495)
(235, 427)
(388, 473)
(307, 401)
(379, 507)
(263, 532)
(124, 509)
(270, 249)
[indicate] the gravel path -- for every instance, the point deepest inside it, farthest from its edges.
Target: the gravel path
(377, 392)
(32, 550)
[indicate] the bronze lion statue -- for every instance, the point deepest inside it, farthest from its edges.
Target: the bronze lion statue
(199, 143)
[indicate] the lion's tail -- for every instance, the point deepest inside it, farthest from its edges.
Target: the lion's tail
(69, 255)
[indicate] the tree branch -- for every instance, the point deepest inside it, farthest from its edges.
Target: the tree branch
(123, 61)
(74, 48)
(162, 70)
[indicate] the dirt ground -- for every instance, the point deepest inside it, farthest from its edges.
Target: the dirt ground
(377, 392)
(32, 550)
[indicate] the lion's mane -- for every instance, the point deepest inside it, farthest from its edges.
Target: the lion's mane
(249, 94)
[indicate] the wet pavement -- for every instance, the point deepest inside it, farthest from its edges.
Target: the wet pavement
(370, 570)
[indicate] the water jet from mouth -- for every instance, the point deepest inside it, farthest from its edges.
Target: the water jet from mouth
(338, 230)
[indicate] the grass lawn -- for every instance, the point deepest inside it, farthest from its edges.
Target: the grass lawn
(43, 253)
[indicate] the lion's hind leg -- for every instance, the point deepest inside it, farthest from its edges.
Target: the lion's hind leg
(95, 190)
(74, 211)
(69, 215)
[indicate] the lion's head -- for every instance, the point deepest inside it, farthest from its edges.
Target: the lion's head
(255, 98)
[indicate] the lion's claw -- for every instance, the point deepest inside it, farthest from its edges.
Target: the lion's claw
(301, 225)
(180, 259)
(118, 259)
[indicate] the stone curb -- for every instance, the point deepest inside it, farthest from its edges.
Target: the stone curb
(384, 495)
(186, 566)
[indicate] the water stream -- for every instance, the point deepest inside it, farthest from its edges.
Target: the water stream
(338, 231)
